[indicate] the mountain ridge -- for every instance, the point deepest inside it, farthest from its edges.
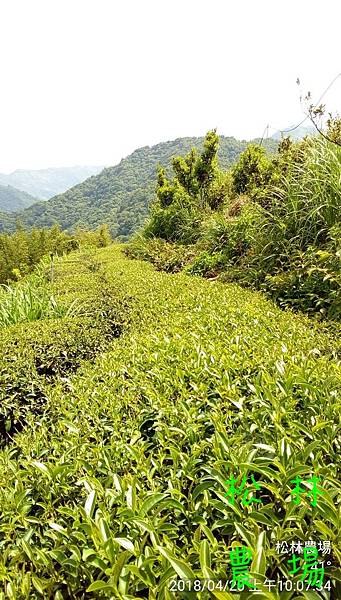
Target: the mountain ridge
(297, 133)
(12, 199)
(119, 195)
(46, 183)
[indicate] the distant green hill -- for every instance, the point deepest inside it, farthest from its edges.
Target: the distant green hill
(45, 183)
(119, 195)
(12, 199)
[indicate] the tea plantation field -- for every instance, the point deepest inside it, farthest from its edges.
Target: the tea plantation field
(124, 424)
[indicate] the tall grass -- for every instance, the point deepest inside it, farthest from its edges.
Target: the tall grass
(308, 203)
(29, 302)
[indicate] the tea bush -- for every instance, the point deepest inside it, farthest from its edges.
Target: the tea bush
(36, 353)
(120, 485)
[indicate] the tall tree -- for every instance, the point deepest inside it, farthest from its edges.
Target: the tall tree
(184, 169)
(207, 165)
(165, 190)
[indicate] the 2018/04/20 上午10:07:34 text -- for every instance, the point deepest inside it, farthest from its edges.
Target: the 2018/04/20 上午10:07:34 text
(200, 585)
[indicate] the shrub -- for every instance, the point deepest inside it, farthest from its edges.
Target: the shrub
(312, 283)
(165, 256)
(178, 222)
(207, 264)
(233, 235)
(252, 173)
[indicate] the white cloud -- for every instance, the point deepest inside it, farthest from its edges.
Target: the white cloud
(88, 81)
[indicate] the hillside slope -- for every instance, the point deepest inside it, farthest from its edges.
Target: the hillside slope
(12, 199)
(119, 195)
(45, 183)
(132, 420)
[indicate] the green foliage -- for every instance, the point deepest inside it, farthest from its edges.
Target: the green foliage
(165, 190)
(207, 264)
(312, 283)
(252, 173)
(234, 235)
(197, 184)
(206, 166)
(302, 226)
(178, 222)
(103, 236)
(163, 255)
(310, 198)
(114, 483)
(289, 154)
(334, 130)
(220, 190)
(47, 332)
(226, 239)
(272, 218)
(185, 171)
(21, 251)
